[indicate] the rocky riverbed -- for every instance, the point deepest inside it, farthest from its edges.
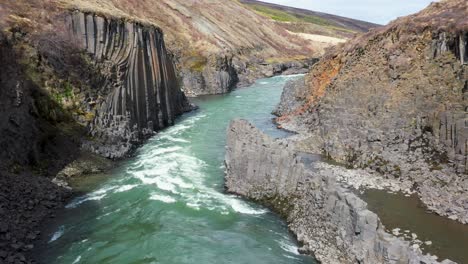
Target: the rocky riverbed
(25, 201)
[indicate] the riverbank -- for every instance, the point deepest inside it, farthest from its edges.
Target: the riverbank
(28, 202)
(25, 202)
(407, 217)
(329, 220)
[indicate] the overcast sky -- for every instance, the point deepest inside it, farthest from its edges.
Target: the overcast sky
(377, 11)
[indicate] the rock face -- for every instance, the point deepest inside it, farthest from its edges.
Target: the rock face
(331, 222)
(29, 140)
(291, 97)
(394, 101)
(140, 86)
(219, 76)
(222, 74)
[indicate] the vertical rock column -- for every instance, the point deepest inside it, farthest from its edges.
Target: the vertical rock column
(140, 86)
(453, 123)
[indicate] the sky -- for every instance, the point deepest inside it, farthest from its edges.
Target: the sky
(376, 11)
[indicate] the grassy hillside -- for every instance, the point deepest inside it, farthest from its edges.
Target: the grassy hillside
(285, 16)
(208, 27)
(306, 21)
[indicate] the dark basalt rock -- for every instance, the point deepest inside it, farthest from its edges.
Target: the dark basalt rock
(119, 91)
(293, 94)
(331, 221)
(141, 89)
(218, 76)
(396, 107)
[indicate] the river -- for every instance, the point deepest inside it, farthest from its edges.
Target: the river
(167, 204)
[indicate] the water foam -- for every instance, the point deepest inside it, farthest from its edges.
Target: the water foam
(59, 233)
(125, 188)
(175, 170)
(162, 198)
(243, 208)
(77, 260)
(287, 246)
(94, 196)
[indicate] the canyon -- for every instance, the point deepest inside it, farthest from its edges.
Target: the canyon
(85, 83)
(105, 148)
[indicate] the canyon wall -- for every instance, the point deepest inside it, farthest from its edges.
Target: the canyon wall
(218, 75)
(331, 222)
(394, 101)
(139, 92)
(71, 83)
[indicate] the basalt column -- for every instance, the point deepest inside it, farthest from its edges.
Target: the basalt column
(140, 87)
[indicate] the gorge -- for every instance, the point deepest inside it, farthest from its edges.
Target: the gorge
(158, 212)
(340, 141)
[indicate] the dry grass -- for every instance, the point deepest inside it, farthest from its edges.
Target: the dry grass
(206, 27)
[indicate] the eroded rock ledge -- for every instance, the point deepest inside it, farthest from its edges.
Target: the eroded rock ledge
(331, 222)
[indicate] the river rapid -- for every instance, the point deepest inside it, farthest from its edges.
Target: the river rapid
(167, 204)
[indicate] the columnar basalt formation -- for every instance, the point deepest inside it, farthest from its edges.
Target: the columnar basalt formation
(140, 87)
(330, 221)
(394, 101)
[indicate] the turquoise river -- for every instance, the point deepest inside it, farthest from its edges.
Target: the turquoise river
(167, 203)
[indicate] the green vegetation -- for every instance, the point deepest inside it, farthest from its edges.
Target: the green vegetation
(284, 16)
(68, 90)
(15, 168)
(196, 63)
(295, 21)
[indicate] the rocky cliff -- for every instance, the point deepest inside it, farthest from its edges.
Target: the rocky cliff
(394, 101)
(140, 90)
(331, 222)
(72, 83)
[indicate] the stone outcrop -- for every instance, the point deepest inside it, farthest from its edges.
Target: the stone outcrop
(139, 92)
(394, 101)
(292, 96)
(222, 74)
(218, 76)
(330, 221)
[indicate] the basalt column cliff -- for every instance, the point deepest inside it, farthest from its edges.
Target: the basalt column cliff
(98, 84)
(139, 78)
